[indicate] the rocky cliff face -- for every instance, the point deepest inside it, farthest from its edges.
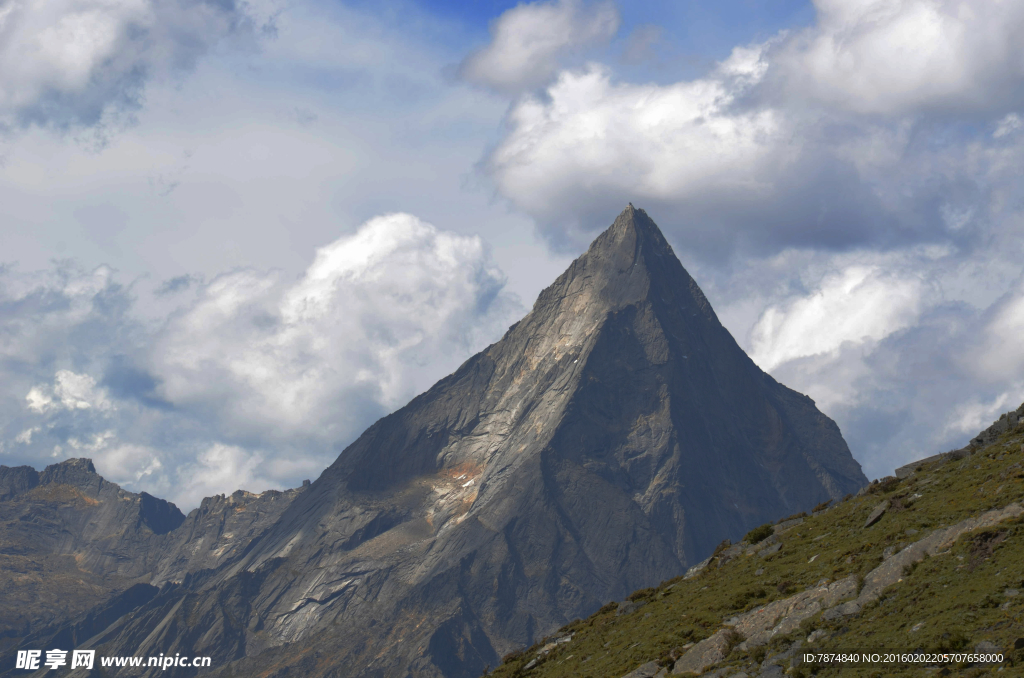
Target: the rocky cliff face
(69, 540)
(612, 437)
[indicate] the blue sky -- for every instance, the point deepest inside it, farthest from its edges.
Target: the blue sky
(236, 234)
(706, 26)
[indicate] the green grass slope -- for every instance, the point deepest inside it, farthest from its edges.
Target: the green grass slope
(970, 596)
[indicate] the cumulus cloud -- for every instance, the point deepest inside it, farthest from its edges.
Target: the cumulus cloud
(69, 391)
(253, 380)
(881, 345)
(221, 466)
(896, 58)
(578, 152)
(975, 415)
(858, 304)
(317, 357)
(529, 41)
(1001, 351)
(824, 138)
(73, 63)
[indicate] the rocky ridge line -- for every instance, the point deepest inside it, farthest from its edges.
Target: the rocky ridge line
(1006, 422)
(70, 539)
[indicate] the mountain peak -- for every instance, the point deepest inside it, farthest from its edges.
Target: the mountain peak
(629, 263)
(79, 472)
(612, 437)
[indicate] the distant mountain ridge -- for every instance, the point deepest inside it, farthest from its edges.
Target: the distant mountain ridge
(611, 438)
(70, 539)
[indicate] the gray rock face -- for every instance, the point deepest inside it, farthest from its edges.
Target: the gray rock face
(610, 439)
(706, 653)
(648, 670)
(877, 513)
(70, 539)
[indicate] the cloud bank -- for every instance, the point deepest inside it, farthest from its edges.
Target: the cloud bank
(76, 63)
(886, 344)
(848, 194)
(848, 134)
(251, 380)
(885, 58)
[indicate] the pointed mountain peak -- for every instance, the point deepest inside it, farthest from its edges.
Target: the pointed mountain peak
(611, 438)
(631, 231)
(624, 265)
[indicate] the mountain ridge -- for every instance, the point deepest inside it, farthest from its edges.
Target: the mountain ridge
(71, 539)
(610, 438)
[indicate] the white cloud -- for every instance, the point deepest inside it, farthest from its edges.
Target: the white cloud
(833, 137)
(136, 466)
(25, 437)
(888, 345)
(1008, 125)
(252, 378)
(70, 391)
(856, 305)
(529, 40)
(219, 467)
(45, 310)
(593, 142)
(972, 416)
(1001, 352)
(896, 58)
(74, 62)
(652, 140)
(290, 359)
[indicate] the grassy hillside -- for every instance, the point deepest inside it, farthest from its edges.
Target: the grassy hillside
(970, 595)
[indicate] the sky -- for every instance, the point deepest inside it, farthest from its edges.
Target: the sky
(234, 234)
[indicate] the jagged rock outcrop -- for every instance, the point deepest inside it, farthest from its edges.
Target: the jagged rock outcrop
(222, 528)
(1008, 421)
(610, 439)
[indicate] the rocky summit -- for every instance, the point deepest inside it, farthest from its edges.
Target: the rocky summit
(610, 440)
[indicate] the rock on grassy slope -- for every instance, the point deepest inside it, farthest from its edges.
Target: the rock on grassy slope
(932, 561)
